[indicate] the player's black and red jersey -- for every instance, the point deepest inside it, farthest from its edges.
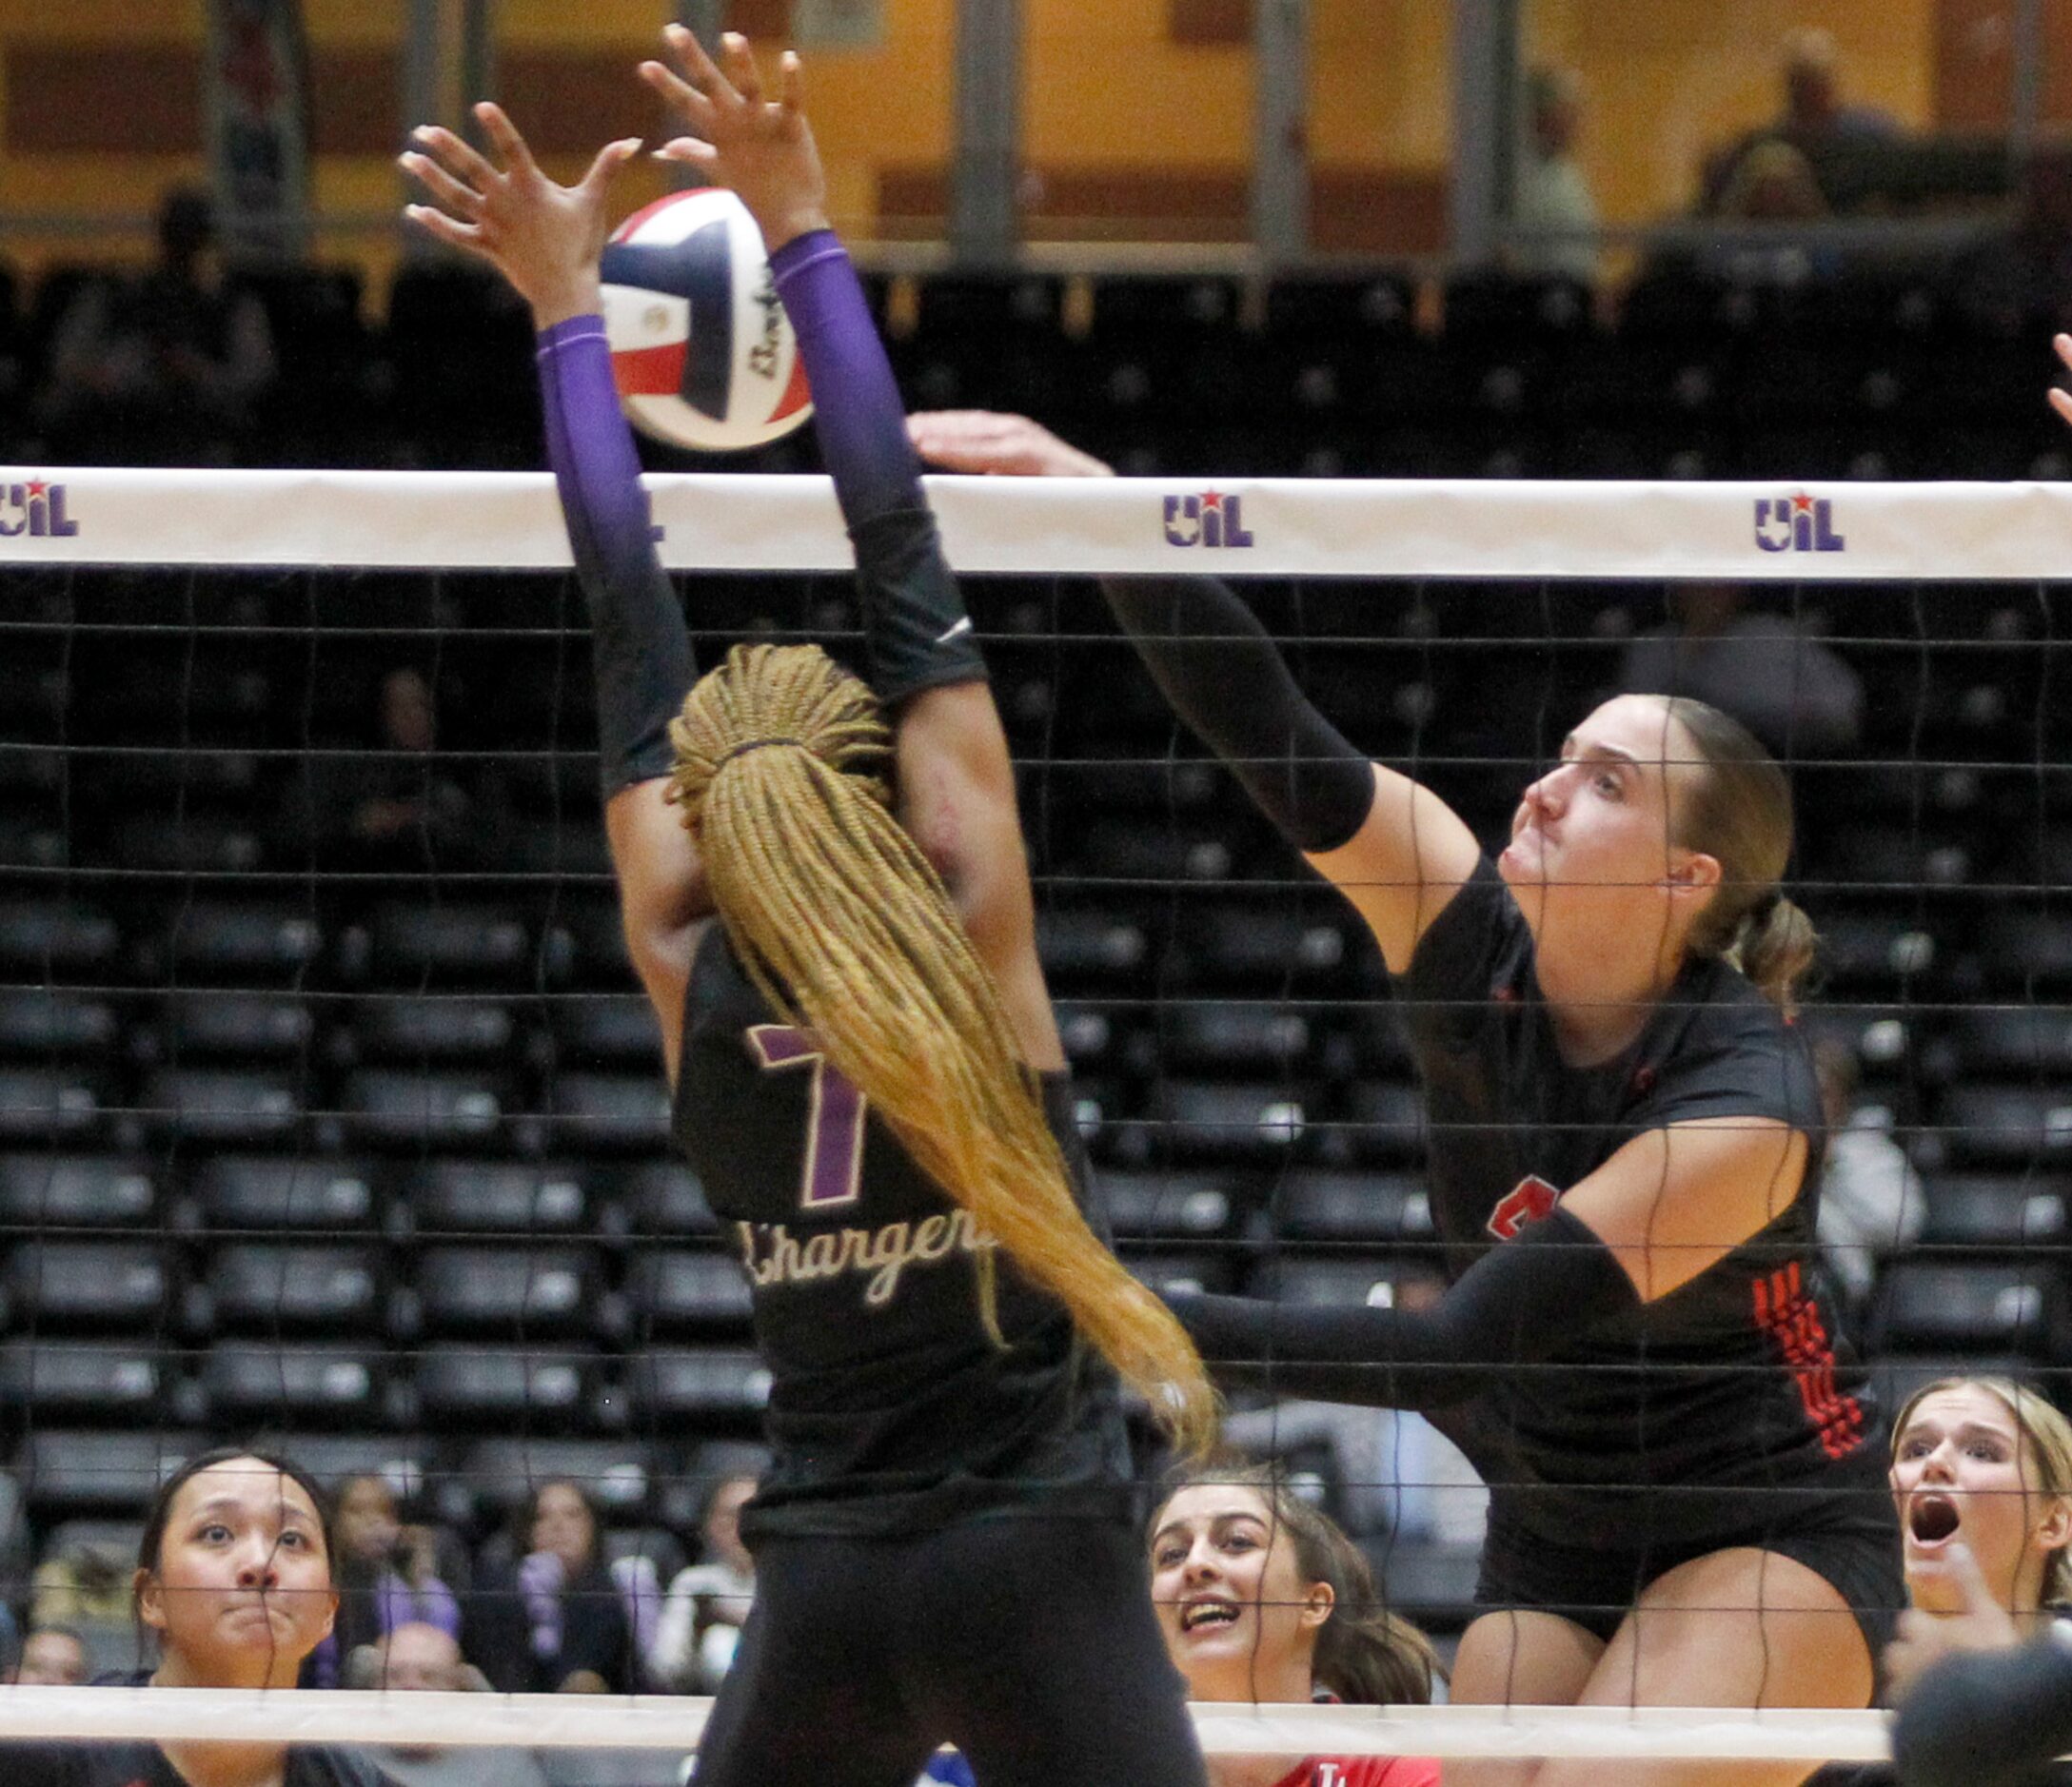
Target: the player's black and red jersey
(890, 1407)
(1736, 1381)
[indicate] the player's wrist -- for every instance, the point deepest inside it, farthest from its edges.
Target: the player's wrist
(783, 228)
(560, 298)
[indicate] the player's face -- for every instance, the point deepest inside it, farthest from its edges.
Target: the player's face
(1593, 832)
(1961, 1469)
(243, 1589)
(1237, 1616)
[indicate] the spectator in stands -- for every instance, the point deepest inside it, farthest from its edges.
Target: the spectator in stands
(1870, 1196)
(416, 1657)
(1553, 193)
(160, 370)
(387, 1576)
(85, 1587)
(1263, 1598)
(53, 1657)
(397, 806)
(1815, 120)
(1982, 1471)
(701, 1616)
(557, 1623)
(1790, 690)
(233, 1586)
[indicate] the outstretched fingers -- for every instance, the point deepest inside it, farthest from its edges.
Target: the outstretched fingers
(791, 83)
(454, 194)
(606, 163)
(742, 73)
(503, 133)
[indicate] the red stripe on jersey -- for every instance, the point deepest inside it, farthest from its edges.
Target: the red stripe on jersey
(650, 371)
(1791, 1319)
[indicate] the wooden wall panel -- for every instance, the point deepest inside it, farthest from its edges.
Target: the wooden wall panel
(123, 99)
(1202, 23)
(1974, 63)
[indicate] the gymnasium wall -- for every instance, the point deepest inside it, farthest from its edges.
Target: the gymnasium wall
(1137, 113)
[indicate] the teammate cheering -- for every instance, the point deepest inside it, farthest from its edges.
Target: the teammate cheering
(1688, 1501)
(866, 1069)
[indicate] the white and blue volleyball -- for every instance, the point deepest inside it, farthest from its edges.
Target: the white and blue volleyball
(702, 352)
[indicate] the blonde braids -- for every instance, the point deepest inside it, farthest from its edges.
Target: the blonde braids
(848, 931)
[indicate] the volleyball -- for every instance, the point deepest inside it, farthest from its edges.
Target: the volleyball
(702, 352)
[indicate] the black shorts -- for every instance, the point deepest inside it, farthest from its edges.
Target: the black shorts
(1028, 1642)
(1853, 1544)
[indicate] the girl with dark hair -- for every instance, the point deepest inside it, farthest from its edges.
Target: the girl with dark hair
(1636, 1351)
(1264, 1597)
(554, 1624)
(867, 1072)
(233, 1589)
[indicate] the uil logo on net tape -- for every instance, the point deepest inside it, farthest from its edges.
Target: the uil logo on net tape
(1213, 518)
(1797, 523)
(35, 508)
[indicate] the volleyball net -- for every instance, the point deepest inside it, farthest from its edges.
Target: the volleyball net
(330, 1114)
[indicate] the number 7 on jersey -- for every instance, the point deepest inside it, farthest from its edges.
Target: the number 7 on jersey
(833, 1173)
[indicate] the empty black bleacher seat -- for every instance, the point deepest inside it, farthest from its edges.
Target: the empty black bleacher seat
(2007, 1125)
(234, 941)
(391, 1108)
(85, 1381)
(70, 1472)
(1248, 1039)
(595, 1111)
(46, 1191)
(1163, 1271)
(1275, 946)
(44, 938)
(1379, 1282)
(526, 1290)
(285, 1192)
(1089, 948)
(248, 1384)
(614, 1030)
(247, 1026)
(113, 1286)
(1375, 1209)
(47, 1022)
(665, 1385)
(1998, 1213)
(2027, 949)
(664, 1197)
(475, 1386)
(419, 946)
(2015, 1041)
(236, 1107)
(258, 1288)
(1169, 1205)
(1384, 1122)
(48, 1103)
(1929, 1305)
(1239, 1121)
(430, 1027)
(673, 1289)
(444, 1197)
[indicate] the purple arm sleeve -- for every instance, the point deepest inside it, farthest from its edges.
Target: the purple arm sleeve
(639, 646)
(857, 412)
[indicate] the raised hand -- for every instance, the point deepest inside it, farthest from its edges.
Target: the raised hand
(2060, 399)
(991, 441)
(1983, 1623)
(762, 149)
(543, 237)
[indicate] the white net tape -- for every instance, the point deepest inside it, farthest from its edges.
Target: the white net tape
(579, 1722)
(1284, 527)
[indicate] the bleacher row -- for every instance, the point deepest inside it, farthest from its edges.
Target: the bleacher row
(1786, 367)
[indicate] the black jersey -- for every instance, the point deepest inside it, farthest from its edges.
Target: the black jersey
(1737, 1382)
(890, 1407)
